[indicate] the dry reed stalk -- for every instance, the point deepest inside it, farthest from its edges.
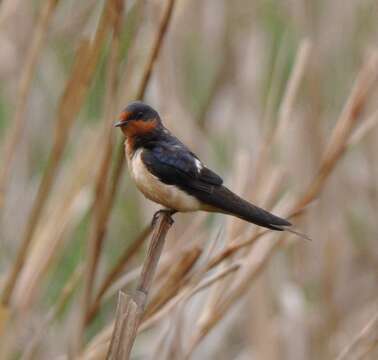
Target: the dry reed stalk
(187, 282)
(99, 216)
(132, 275)
(364, 129)
(65, 294)
(337, 144)
(157, 44)
(268, 115)
(187, 293)
(276, 80)
(168, 257)
(175, 341)
(265, 342)
(364, 342)
(14, 134)
(170, 341)
(292, 88)
(74, 94)
(172, 282)
(285, 109)
(175, 280)
(193, 236)
(232, 248)
(251, 267)
(130, 310)
(37, 266)
(207, 282)
(68, 204)
(225, 69)
(126, 323)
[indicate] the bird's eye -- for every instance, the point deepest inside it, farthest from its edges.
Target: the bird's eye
(139, 115)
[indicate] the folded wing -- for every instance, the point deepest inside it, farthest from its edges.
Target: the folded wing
(176, 165)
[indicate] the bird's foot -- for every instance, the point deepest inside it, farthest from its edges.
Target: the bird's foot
(168, 212)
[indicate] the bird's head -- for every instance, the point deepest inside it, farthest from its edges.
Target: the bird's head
(138, 119)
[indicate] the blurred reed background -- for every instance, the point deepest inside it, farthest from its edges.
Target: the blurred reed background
(279, 97)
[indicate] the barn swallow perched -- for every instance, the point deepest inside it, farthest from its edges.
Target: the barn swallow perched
(168, 173)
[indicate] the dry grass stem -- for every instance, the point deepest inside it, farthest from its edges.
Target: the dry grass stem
(363, 343)
(337, 144)
(65, 295)
(364, 129)
(285, 109)
(33, 54)
(130, 310)
(173, 277)
(292, 88)
(100, 215)
(125, 327)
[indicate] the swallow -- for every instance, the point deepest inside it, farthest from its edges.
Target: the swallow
(168, 173)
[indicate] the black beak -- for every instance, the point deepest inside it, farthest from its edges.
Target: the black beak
(120, 123)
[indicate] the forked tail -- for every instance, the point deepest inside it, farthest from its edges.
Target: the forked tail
(224, 200)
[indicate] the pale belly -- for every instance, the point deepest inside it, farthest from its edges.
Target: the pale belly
(167, 195)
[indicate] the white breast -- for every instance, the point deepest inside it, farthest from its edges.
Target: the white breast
(167, 195)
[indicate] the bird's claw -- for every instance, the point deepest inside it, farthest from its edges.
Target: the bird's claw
(168, 212)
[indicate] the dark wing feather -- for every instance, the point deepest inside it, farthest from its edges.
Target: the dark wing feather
(175, 165)
(210, 177)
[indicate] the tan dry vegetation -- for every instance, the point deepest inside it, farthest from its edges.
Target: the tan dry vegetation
(278, 97)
